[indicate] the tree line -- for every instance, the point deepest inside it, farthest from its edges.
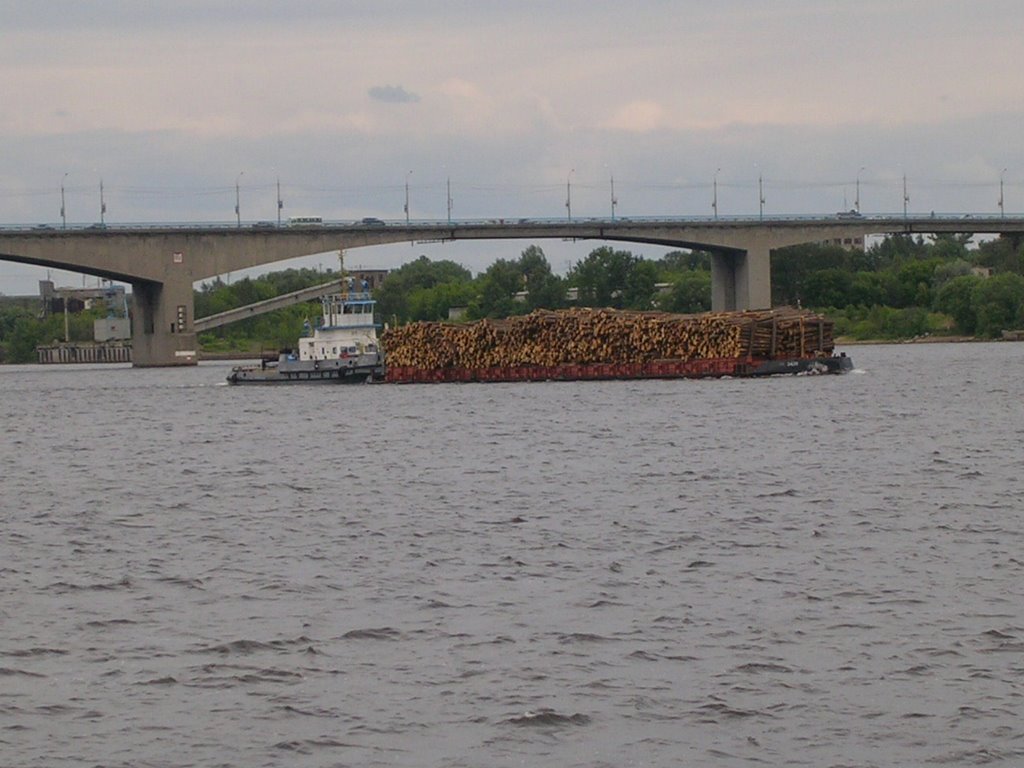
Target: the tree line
(906, 286)
(901, 287)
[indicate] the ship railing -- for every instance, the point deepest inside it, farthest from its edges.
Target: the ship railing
(355, 295)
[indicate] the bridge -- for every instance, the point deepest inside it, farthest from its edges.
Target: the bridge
(162, 262)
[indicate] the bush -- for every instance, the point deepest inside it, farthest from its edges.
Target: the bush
(887, 323)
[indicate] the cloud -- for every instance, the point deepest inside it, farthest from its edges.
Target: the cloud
(638, 117)
(392, 94)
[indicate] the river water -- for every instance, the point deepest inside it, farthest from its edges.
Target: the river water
(819, 571)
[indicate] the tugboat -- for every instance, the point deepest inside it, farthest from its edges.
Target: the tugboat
(343, 349)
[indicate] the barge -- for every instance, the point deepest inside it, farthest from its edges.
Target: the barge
(593, 344)
(722, 367)
(562, 345)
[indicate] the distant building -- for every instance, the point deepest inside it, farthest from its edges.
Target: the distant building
(111, 334)
(849, 243)
(56, 300)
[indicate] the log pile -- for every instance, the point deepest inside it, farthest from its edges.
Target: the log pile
(584, 336)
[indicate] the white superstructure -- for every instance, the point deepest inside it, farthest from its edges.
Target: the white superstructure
(345, 330)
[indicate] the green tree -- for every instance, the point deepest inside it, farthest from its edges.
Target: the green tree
(690, 292)
(950, 247)
(545, 290)
(792, 266)
(1002, 254)
(393, 295)
(434, 303)
(999, 304)
(641, 282)
(24, 337)
(913, 284)
(9, 316)
(496, 289)
(897, 249)
(867, 289)
(611, 278)
(955, 299)
(828, 288)
(679, 262)
(948, 270)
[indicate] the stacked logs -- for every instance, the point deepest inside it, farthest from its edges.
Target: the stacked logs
(584, 336)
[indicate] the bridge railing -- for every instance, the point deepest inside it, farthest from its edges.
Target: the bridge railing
(513, 222)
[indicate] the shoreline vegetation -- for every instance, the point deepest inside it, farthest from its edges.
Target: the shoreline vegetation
(903, 289)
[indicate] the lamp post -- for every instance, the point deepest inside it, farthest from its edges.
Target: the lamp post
(103, 204)
(63, 216)
(856, 199)
(760, 196)
(448, 187)
(407, 175)
(1002, 212)
(238, 207)
(714, 193)
(568, 193)
(906, 197)
(280, 202)
(615, 200)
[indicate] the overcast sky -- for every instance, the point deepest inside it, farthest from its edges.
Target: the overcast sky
(171, 103)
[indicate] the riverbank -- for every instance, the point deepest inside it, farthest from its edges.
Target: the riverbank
(845, 341)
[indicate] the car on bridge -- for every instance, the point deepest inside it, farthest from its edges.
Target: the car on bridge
(372, 221)
(853, 213)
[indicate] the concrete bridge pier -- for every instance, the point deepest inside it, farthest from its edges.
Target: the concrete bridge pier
(162, 327)
(741, 279)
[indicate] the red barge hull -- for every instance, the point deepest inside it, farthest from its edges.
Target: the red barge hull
(656, 369)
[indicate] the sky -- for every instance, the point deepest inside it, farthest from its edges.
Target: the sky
(515, 104)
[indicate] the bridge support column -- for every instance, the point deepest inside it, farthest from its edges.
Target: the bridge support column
(741, 280)
(162, 325)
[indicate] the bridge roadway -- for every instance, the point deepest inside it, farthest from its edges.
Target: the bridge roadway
(162, 262)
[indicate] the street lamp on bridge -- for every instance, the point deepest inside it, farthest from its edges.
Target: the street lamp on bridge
(568, 193)
(103, 204)
(238, 207)
(615, 200)
(448, 187)
(407, 197)
(63, 217)
(714, 193)
(760, 195)
(906, 197)
(856, 198)
(280, 202)
(1002, 212)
